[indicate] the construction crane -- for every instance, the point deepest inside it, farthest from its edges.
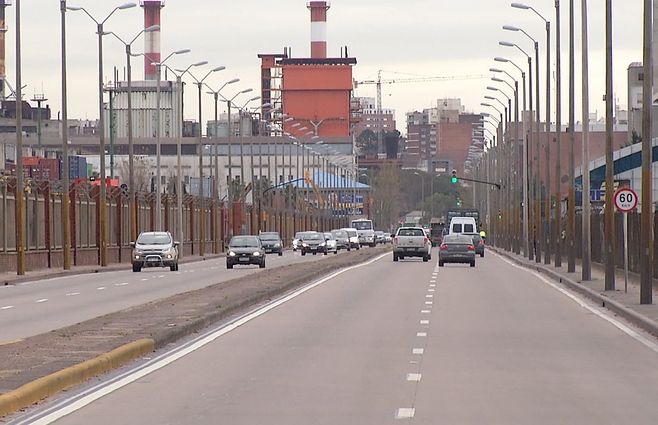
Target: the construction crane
(316, 190)
(379, 82)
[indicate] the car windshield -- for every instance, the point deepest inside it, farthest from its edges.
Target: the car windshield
(339, 234)
(457, 239)
(362, 225)
(269, 237)
(244, 242)
(299, 235)
(411, 232)
(328, 236)
(311, 236)
(351, 233)
(154, 239)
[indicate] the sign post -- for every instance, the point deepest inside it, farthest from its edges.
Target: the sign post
(625, 201)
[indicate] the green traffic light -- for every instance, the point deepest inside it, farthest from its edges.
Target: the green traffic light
(454, 180)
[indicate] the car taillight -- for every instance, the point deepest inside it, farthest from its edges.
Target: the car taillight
(443, 247)
(471, 248)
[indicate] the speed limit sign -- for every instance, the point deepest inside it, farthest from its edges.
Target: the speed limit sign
(625, 199)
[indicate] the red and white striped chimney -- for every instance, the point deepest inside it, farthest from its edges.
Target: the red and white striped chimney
(151, 39)
(318, 28)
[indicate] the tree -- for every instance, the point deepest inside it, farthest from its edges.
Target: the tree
(392, 144)
(386, 196)
(366, 143)
(141, 172)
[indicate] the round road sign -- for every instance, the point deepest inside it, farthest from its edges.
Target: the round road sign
(625, 199)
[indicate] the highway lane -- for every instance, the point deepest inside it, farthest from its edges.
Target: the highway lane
(390, 342)
(32, 308)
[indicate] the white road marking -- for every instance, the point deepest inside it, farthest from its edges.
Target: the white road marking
(144, 279)
(72, 294)
(431, 290)
(429, 302)
(426, 311)
(7, 307)
(162, 274)
(433, 285)
(424, 322)
(433, 281)
(405, 413)
(581, 302)
(413, 377)
(429, 296)
(101, 288)
(418, 351)
(121, 284)
(42, 300)
(421, 334)
(76, 402)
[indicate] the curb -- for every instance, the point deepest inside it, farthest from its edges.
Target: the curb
(114, 267)
(632, 316)
(37, 390)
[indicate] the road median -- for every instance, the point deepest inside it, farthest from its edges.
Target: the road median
(42, 365)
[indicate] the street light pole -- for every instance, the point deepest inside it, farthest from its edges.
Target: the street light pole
(646, 215)
(609, 210)
(586, 242)
(558, 131)
(571, 197)
(66, 225)
(20, 189)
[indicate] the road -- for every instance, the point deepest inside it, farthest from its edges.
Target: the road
(394, 342)
(32, 308)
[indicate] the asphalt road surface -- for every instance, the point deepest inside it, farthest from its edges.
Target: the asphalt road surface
(393, 342)
(32, 308)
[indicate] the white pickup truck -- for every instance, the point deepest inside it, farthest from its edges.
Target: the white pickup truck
(411, 242)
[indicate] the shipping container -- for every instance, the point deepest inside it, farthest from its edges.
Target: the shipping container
(49, 168)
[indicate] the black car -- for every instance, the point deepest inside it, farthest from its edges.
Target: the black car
(478, 242)
(271, 243)
(314, 242)
(245, 250)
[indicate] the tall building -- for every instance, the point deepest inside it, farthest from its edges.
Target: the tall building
(373, 120)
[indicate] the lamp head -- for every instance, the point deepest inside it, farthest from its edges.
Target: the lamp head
(520, 6)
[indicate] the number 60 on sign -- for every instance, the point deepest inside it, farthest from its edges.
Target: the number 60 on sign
(625, 199)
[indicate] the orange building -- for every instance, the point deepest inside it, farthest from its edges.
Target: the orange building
(309, 96)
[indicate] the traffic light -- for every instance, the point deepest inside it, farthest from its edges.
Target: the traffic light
(459, 202)
(453, 180)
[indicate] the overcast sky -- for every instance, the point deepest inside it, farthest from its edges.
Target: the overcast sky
(402, 37)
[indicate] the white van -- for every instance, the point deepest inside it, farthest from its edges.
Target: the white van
(366, 231)
(463, 225)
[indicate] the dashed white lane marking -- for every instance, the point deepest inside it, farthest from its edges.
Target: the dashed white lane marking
(429, 296)
(144, 280)
(414, 377)
(101, 288)
(7, 307)
(72, 294)
(433, 281)
(421, 334)
(121, 284)
(431, 290)
(42, 300)
(424, 322)
(161, 276)
(428, 303)
(405, 413)
(426, 311)
(433, 285)
(418, 351)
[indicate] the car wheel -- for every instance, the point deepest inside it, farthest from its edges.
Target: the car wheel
(172, 268)
(314, 253)
(373, 245)
(280, 253)
(303, 253)
(482, 255)
(262, 264)
(395, 257)
(426, 259)
(349, 249)
(335, 252)
(137, 268)
(229, 266)
(472, 263)
(401, 257)
(326, 252)
(440, 263)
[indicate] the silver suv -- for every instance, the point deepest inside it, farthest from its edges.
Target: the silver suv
(155, 249)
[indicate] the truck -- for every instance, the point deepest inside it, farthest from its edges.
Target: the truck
(411, 242)
(463, 212)
(436, 231)
(366, 231)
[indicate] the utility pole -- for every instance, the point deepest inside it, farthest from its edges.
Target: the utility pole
(20, 189)
(66, 225)
(558, 131)
(586, 240)
(609, 210)
(571, 197)
(549, 221)
(646, 215)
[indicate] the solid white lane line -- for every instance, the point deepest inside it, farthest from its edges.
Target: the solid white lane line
(414, 377)
(7, 307)
(418, 351)
(581, 302)
(42, 300)
(76, 402)
(421, 334)
(72, 294)
(100, 288)
(426, 311)
(405, 413)
(424, 322)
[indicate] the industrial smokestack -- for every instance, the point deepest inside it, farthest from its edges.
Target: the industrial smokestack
(318, 28)
(151, 38)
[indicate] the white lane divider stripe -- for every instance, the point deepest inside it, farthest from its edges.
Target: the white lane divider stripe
(418, 351)
(144, 279)
(101, 288)
(426, 311)
(424, 322)
(7, 307)
(429, 302)
(431, 290)
(76, 402)
(72, 294)
(121, 284)
(405, 413)
(414, 377)
(42, 300)
(429, 296)
(582, 303)
(433, 285)
(421, 334)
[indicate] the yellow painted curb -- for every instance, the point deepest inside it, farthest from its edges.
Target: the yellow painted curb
(37, 390)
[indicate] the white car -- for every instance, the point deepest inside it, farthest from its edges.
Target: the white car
(332, 243)
(354, 237)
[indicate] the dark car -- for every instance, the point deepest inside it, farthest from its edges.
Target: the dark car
(457, 248)
(342, 239)
(245, 250)
(271, 243)
(314, 242)
(478, 242)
